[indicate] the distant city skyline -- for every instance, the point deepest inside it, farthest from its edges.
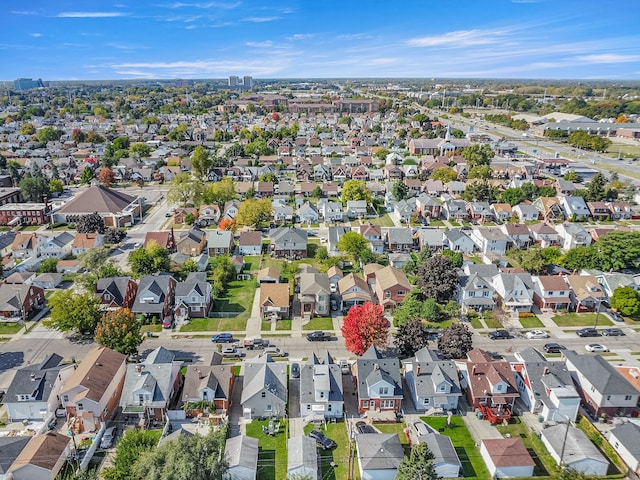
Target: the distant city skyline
(166, 39)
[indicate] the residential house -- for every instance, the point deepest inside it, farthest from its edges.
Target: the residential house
(181, 214)
(431, 238)
(434, 188)
(570, 447)
(620, 210)
(302, 458)
(445, 458)
(515, 291)
(334, 274)
(42, 458)
(455, 188)
(17, 302)
(476, 293)
(208, 215)
(573, 235)
(502, 211)
(575, 209)
(433, 384)
(457, 240)
(230, 209)
(33, 391)
(21, 278)
(428, 207)
(321, 387)
(220, 243)
(281, 211)
(313, 293)
(264, 189)
(241, 453)
(27, 245)
(378, 382)
(404, 209)
(519, 234)
(545, 235)
(565, 187)
(274, 300)
(116, 292)
(506, 458)
(48, 280)
(207, 383)
(489, 385)
(612, 280)
(551, 292)
(599, 211)
(165, 239)
(399, 240)
(264, 393)
(625, 440)
(92, 392)
(193, 297)
(585, 292)
(455, 210)
(58, 246)
(193, 242)
(384, 464)
(250, 243)
(526, 212)
(85, 241)
(330, 211)
(391, 287)
(603, 389)
(373, 234)
(546, 388)
(480, 212)
(288, 242)
(356, 209)
(155, 296)
(307, 214)
(549, 208)
(150, 386)
(11, 447)
(353, 290)
(490, 240)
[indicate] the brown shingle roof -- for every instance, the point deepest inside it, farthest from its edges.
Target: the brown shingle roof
(508, 452)
(43, 450)
(276, 294)
(98, 199)
(388, 277)
(250, 238)
(84, 240)
(97, 371)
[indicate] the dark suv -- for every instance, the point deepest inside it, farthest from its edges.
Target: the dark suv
(498, 334)
(322, 440)
(587, 332)
(553, 347)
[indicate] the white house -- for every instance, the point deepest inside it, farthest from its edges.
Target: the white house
(515, 290)
(58, 246)
(388, 455)
(625, 439)
(569, 446)
(506, 458)
(445, 459)
(302, 458)
(241, 453)
(321, 387)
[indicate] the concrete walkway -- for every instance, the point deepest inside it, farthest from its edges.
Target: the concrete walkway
(480, 429)
(254, 323)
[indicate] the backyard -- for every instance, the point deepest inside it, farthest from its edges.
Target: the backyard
(545, 464)
(339, 455)
(580, 320)
(272, 450)
(472, 464)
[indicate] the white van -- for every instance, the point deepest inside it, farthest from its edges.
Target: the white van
(275, 351)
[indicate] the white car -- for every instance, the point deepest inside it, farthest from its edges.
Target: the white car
(595, 347)
(107, 438)
(537, 334)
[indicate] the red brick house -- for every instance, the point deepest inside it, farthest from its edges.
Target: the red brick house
(391, 286)
(116, 292)
(378, 382)
(18, 300)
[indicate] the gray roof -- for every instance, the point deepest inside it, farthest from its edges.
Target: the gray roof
(11, 448)
(158, 285)
(485, 271)
(115, 286)
(434, 237)
(312, 283)
(7, 239)
(263, 373)
(215, 377)
(35, 380)
(442, 448)
(455, 234)
(573, 444)
(302, 452)
(195, 281)
(11, 296)
(242, 451)
(307, 381)
(335, 233)
(628, 434)
(432, 374)
(379, 451)
(600, 373)
(219, 239)
(180, 432)
(49, 277)
(288, 238)
(400, 236)
(155, 374)
(60, 240)
(371, 368)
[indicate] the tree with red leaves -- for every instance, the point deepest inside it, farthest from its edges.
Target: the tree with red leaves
(106, 176)
(364, 326)
(227, 224)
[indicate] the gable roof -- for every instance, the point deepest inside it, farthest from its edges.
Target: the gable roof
(389, 276)
(35, 380)
(275, 293)
(242, 451)
(508, 452)
(379, 451)
(98, 198)
(43, 451)
(600, 374)
(96, 372)
(115, 286)
(263, 373)
(11, 448)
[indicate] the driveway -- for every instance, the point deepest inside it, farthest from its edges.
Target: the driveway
(350, 397)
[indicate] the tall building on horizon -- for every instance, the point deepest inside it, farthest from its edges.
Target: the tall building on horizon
(247, 81)
(234, 81)
(27, 83)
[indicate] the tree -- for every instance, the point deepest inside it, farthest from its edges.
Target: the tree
(626, 300)
(400, 190)
(27, 129)
(90, 223)
(106, 176)
(355, 190)
(48, 265)
(130, 448)
(87, 175)
(56, 185)
(596, 188)
(49, 134)
(444, 174)
(418, 466)
(139, 150)
(477, 154)
(455, 256)
(227, 224)
(513, 196)
(73, 312)
(456, 341)
(94, 257)
(190, 266)
(317, 192)
(532, 259)
(437, 278)
(114, 235)
(618, 250)
(34, 189)
(185, 458)
(480, 191)
(119, 331)
(219, 193)
(480, 171)
(352, 243)
(364, 326)
(253, 212)
(411, 337)
(149, 260)
(184, 188)
(201, 162)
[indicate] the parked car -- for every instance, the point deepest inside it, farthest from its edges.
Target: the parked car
(275, 351)
(612, 332)
(319, 336)
(345, 368)
(167, 323)
(107, 438)
(615, 316)
(537, 334)
(587, 332)
(222, 338)
(322, 440)
(421, 428)
(553, 347)
(498, 334)
(334, 305)
(364, 427)
(231, 352)
(595, 347)
(295, 370)
(254, 343)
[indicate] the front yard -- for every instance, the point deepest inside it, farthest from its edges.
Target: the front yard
(319, 323)
(7, 328)
(383, 221)
(472, 464)
(580, 320)
(531, 322)
(233, 324)
(272, 450)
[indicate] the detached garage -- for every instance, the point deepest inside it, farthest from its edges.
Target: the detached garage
(507, 458)
(578, 452)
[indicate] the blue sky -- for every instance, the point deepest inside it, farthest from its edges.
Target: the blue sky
(557, 39)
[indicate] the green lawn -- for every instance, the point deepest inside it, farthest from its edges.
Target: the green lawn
(531, 322)
(283, 325)
(398, 429)
(580, 320)
(491, 320)
(339, 455)
(272, 451)
(475, 322)
(237, 298)
(10, 328)
(472, 464)
(383, 221)
(545, 464)
(319, 323)
(233, 324)
(436, 223)
(265, 325)
(251, 263)
(151, 328)
(603, 445)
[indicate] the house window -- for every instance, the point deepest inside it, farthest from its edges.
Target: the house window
(268, 408)
(308, 407)
(387, 403)
(264, 394)
(194, 308)
(384, 391)
(65, 398)
(400, 293)
(365, 404)
(80, 407)
(442, 388)
(608, 397)
(427, 401)
(329, 407)
(627, 397)
(387, 294)
(140, 399)
(321, 394)
(107, 296)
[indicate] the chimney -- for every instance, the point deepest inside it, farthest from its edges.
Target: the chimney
(376, 366)
(418, 370)
(545, 371)
(473, 370)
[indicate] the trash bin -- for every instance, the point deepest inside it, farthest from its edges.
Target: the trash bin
(479, 414)
(540, 419)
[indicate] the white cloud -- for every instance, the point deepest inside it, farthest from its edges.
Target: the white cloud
(460, 38)
(24, 12)
(300, 36)
(90, 14)
(265, 44)
(36, 35)
(206, 5)
(609, 58)
(260, 19)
